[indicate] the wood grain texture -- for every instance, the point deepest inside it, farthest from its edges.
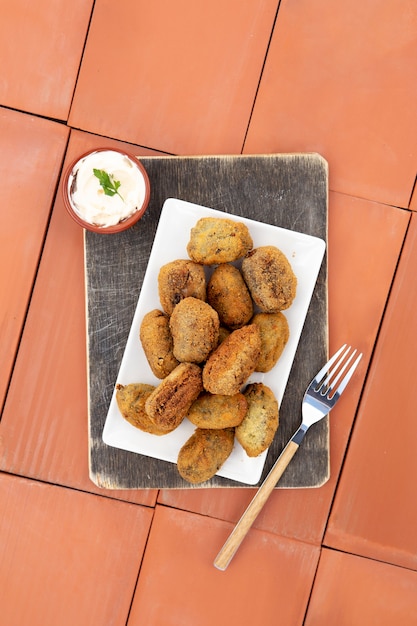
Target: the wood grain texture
(289, 191)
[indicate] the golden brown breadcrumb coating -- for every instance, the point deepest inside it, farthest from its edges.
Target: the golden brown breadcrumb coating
(228, 294)
(218, 240)
(258, 428)
(131, 402)
(157, 344)
(275, 333)
(270, 278)
(231, 364)
(204, 453)
(216, 411)
(180, 279)
(170, 401)
(194, 326)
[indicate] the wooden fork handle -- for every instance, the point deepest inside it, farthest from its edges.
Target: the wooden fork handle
(241, 529)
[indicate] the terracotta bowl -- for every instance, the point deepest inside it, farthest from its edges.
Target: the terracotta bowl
(123, 224)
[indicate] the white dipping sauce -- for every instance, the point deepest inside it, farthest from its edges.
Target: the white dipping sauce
(87, 196)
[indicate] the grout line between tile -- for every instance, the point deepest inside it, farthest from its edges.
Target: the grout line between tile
(360, 556)
(313, 582)
(30, 296)
(81, 59)
(413, 191)
(393, 206)
(368, 558)
(106, 495)
(34, 114)
(369, 368)
(140, 567)
(260, 75)
(232, 524)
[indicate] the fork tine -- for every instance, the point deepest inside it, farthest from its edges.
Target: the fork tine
(320, 375)
(323, 381)
(347, 378)
(329, 386)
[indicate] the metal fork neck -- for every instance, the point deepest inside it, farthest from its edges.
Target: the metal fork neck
(298, 436)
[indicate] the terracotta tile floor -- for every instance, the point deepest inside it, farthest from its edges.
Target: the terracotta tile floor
(192, 78)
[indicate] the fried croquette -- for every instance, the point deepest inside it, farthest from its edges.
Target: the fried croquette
(204, 453)
(157, 343)
(216, 411)
(258, 428)
(231, 364)
(131, 402)
(178, 280)
(194, 326)
(218, 240)
(270, 278)
(170, 401)
(275, 333)
(228, 294)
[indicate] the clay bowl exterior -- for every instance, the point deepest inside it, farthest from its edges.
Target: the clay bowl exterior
(123, 224)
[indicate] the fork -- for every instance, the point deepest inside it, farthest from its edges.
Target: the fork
(319, 398)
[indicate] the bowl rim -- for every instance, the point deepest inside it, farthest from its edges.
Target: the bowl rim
(122, 225)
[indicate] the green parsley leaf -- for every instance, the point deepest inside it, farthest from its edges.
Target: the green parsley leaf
(107, 182)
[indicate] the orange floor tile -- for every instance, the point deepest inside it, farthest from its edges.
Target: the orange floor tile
(179, 585)
(67, 557)
(40, 53)
(354, 590)
(413, 202)
(375, 512)
(192, 79)
(31, 155)
(334, 81)
(184, 84)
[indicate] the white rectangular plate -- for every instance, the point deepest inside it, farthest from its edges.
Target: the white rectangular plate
(305, 254)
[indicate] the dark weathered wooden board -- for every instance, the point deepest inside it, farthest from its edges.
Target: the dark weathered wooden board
(284, 190)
